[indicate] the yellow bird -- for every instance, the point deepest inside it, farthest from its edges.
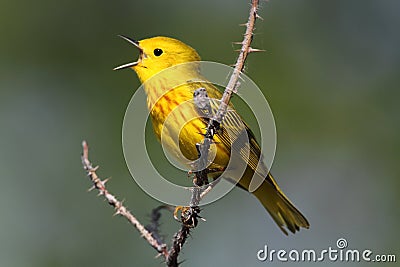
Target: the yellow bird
(160, 53)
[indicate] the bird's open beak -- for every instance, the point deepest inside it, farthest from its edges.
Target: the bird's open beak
(131, 64)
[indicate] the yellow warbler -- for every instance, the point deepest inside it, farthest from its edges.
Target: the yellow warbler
(160, 53)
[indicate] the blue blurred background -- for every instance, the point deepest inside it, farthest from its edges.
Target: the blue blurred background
(330, 73)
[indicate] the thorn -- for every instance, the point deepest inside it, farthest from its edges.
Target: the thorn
(91, 188)
(158, 255)
(105, 181)
(94, 169)
(100, 193)
(118, 212)
(243, 24)
(259, 17)
(238, 43)
(251, 50)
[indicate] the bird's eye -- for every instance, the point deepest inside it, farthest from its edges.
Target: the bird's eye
(157, 52)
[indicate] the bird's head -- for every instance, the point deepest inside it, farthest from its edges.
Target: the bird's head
(157, 54)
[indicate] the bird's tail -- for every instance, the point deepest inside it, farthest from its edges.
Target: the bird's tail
(279, 206)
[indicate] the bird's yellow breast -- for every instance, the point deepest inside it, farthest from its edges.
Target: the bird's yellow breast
(178, 125)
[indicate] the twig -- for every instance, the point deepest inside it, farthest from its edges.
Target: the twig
(118, 206)
(179, 240)
(215, 122)
(154, 226)
(239, 65)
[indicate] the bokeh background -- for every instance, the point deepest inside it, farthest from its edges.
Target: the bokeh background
(330, 73)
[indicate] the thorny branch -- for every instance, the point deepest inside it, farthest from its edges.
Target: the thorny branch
(189, 215)
(120, 209)
(154, 225)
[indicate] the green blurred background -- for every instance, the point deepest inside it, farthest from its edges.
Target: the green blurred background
(330, 74)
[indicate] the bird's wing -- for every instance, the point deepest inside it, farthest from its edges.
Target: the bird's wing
(234, 133)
